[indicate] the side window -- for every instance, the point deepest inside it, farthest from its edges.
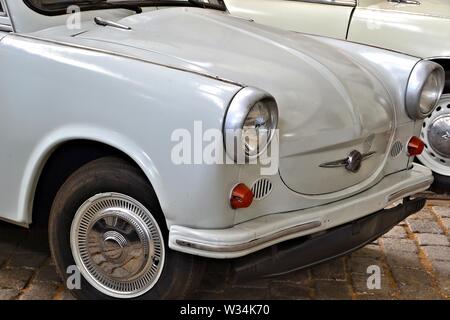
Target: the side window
(1, 9)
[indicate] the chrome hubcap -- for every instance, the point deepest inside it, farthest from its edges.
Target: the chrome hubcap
(436, 135)
(439, 135)
(117, 245)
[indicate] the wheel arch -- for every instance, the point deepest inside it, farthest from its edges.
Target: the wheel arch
(53, 162)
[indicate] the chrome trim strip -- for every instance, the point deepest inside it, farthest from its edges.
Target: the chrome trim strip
(415, 2)
(417, 80)
(236, 115)
(251, 244)
(126, 56)
(346, 3)
(407, 191)
(5, 28)
(437, 58)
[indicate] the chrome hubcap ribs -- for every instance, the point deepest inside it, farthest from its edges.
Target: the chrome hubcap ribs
(439, 135)
(117, 245)
(436, 135)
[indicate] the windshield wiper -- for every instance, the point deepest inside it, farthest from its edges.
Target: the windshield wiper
(209, 4)
(106, 23)
(60, 7)
(206, 4)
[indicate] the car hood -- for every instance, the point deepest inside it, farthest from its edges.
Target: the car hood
(215, 44)
(302, 72)
(331, 100)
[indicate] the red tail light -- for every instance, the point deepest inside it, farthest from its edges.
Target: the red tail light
(415, 146)
(241, 197)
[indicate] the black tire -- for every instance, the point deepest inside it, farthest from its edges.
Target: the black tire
(180, 273)
(441, 184)
(447, 82)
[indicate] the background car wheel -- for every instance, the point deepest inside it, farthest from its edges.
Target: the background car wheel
(441, 184)
(107, 221)
(436, 135)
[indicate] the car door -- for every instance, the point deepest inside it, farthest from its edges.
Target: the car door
(418, 28)
(5, 156)
(322, 17)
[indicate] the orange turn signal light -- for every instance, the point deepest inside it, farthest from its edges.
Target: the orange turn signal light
(415, 146)
(241, 197)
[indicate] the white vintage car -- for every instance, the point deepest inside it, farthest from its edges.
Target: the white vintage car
(419, 28)
(94, 103)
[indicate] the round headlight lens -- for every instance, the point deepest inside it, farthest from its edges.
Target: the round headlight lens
(424, 90)
(430, 93)
(258, 128)
(250, 124)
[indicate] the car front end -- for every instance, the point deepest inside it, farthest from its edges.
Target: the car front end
(219, 138)
(341, 121)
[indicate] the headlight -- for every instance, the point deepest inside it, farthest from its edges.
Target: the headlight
(250, 123)
(424, 90)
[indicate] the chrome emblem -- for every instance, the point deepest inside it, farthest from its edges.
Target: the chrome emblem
(352, 163)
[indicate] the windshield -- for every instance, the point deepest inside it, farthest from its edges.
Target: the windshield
(55, 7)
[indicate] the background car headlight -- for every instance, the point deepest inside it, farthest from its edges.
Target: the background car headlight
(250, 123)
(424, 90)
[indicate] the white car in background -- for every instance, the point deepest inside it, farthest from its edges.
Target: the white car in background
(90, 108)
(419, 28)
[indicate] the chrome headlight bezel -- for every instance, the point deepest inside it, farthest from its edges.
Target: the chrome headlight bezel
(420, 75)
(236, 116)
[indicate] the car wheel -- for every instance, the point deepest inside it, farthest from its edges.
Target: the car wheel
(436, 135)
(106, 221)
(441, 184)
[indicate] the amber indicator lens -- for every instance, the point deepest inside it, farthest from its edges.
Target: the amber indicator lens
(415, 146)
(241, 197)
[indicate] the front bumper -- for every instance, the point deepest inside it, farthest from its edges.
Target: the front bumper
(306, 251)
(262, 232)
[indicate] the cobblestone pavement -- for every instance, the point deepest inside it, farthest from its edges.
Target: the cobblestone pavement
(414, 258)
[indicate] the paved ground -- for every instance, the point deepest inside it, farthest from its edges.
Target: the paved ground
(414, 259)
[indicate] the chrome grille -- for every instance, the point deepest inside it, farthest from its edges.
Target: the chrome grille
(261, 188)
(397, 148)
